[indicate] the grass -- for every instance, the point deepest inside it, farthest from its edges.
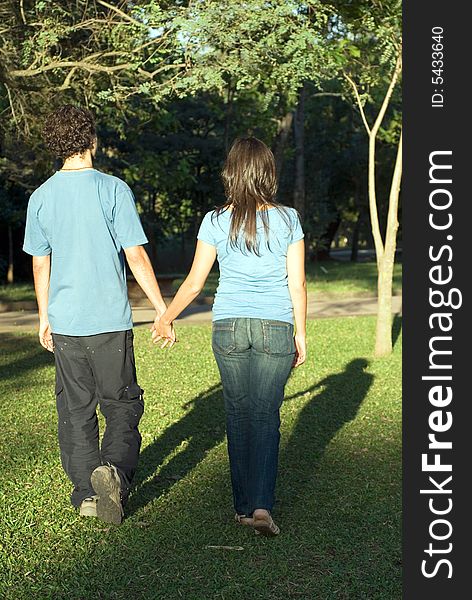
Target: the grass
(17, 292)
(339, 489)
(331, 278)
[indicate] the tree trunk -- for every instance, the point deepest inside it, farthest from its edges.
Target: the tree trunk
(355, 239)
(280, 143)
(228, 115)
(327, 238)
(385, 253)
(360, 218)
(383, 334)
(299, 135)
(10, 276)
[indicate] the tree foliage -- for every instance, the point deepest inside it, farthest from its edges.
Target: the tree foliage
(173, 82)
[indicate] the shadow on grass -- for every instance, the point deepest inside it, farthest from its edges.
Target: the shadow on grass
(199, 430)
(320, 419)
(168, 559)
(29, 356)
(202, 428)
(396, 328)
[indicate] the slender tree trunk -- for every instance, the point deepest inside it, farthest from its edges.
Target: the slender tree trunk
(280, 143)
(299, 135)
(385, 253)
(10, 274)
(323, 252)
(359, 220)
(383, 334)
(228, 115)
(355, 239)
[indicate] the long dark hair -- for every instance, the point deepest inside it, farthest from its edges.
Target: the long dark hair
(250, 183)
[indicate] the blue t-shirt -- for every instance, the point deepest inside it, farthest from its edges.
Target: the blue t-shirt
(250, 285)
(84, 219)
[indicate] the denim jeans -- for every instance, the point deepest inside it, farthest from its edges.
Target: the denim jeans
(254, 357)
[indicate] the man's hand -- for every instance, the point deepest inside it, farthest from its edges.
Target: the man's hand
(300, 355)
(163, 331)
(45, 336)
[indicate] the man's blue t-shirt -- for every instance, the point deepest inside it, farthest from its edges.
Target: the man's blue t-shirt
(84, 219)
(250, 285)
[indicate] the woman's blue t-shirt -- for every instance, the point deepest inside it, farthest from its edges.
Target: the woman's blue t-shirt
(251, 285)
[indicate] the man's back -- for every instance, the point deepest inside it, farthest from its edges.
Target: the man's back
(84, 218)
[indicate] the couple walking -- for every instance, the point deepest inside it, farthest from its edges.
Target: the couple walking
(81, 224)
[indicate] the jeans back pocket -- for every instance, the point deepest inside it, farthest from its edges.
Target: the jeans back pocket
(223, 336)
(278, 337)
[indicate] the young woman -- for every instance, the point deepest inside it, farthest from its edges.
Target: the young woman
(261, 291)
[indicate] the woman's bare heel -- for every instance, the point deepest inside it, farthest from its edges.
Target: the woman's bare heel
(264, 524)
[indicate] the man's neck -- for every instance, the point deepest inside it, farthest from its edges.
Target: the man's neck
(78, 162)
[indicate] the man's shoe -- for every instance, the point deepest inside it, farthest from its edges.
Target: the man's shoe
(88, 507)
(107, 485)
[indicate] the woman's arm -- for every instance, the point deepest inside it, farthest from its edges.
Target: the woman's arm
(205, 256)
(297, 289)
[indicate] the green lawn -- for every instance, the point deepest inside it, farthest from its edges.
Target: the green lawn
(17, 292)
(339, 488)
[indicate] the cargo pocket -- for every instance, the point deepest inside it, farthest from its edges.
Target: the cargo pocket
(134, 392)
(223, 336)
(134, 396)
(278, 338)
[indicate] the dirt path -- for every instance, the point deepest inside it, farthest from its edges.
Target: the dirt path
(317, 308)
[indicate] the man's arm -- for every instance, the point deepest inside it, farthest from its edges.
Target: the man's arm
(205, 256)
(141, 267)
(41, 273)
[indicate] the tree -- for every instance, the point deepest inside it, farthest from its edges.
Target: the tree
(372, 45)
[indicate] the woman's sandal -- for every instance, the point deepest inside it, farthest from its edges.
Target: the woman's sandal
(243, 520)
(264, 524)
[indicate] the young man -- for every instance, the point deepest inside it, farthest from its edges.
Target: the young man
(80, 224)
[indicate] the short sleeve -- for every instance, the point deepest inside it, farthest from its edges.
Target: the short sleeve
(35, 242)
(296, 231)
(126, 221)
(206, 232)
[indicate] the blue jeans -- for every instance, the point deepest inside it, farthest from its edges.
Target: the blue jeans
(255, 358)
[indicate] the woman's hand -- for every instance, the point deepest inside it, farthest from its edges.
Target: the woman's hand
(300, 346)
(161, 330)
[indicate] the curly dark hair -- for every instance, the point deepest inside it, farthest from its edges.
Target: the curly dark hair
(69, 130)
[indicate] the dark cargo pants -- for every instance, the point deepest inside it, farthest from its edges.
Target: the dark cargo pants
(90, 371)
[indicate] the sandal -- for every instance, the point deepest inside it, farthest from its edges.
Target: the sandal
(264, 524)
(243, 520)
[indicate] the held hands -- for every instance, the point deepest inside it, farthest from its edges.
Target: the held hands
(163, 331)
(45, 336)
(300, 354)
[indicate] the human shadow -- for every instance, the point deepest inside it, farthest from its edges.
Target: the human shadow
(396, 328)
(336, 403)
(198, 431)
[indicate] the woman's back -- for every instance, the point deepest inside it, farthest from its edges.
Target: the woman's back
(253, 285)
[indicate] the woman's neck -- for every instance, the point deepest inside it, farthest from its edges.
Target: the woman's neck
(259, 208)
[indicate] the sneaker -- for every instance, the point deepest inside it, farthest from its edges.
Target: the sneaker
(88, 507)
(264, 524)
(107, 485)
